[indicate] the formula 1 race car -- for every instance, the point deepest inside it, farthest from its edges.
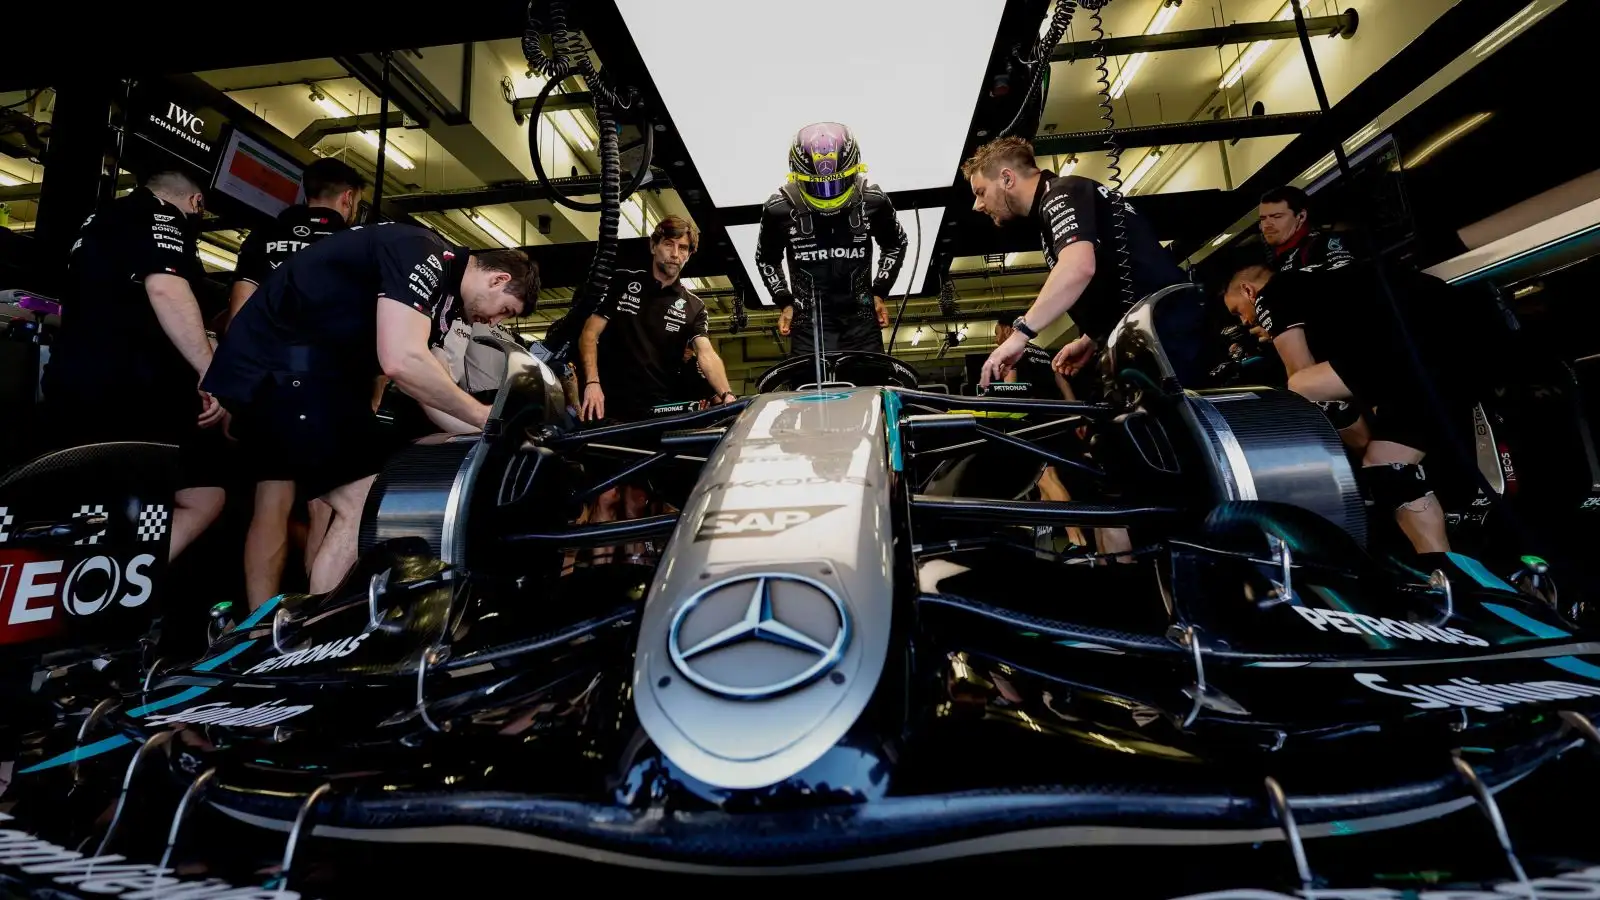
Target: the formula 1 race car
(868, 649)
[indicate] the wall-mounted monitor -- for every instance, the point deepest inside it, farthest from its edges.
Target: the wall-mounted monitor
(257, 175)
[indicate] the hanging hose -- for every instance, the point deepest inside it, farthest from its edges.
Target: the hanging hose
(905, 296)
(569, 56)
(1119, 202)
(1037, 62)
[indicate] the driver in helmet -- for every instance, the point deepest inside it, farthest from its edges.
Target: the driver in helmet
(823, 221)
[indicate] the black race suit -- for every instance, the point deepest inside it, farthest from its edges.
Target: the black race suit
(1311, 250)
(300, 359)
(271, 245)
(640, 356)
(1350, 325)
(830, 266)
(113, 374)
(1068, 209)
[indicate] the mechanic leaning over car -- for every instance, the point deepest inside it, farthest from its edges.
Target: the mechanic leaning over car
(1291, 241)
(631, 349)
(132, 349)
(824, 222)
(1075, 219)
(1338, 341)
(298, 362)
(333, 195)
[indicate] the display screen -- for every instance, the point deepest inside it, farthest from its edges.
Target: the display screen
(257, 175)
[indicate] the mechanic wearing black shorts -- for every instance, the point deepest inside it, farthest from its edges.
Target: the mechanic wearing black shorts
(128, 360)
(298, 362)
(1338, 341)
(824, 223)
(1075, 217)
(632, 348)
(333, 194)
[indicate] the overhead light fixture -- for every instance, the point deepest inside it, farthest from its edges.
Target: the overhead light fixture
(1064, 169)
(1255, 51)
(1141, 170)
(1448, 138)
(9, 180)
(1517, 24)
(740, 142)
(916, 336)
(493, 230)
(337, 110)
(1222, 239)
(1159, 24)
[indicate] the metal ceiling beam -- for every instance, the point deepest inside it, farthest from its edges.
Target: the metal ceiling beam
(1453, 33)
(321, 128)
(513, 192)
(1199, 131)
(555, 102)
(1343, 25)
(31, 190)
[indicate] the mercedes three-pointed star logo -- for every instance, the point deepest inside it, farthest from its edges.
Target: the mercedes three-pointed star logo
(760, 623)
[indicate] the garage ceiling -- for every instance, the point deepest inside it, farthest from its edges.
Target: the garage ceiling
(735, 78)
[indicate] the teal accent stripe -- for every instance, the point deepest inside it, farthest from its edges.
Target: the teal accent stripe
(1480, 574)
(1526, 623)
(220, 658)
(79, 753)
(182, 696)
(891, 412)
(112, 743)
(1539, 629)
(259, 614)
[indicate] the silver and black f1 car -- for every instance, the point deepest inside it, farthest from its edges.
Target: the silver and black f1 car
(865, 650)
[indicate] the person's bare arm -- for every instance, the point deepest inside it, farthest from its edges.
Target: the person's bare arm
(238, 295)
(1293, 350)
(406, 359)
(1073, 271)
(711, 365)
(1065, 387)
(589, 349)
(179, 314)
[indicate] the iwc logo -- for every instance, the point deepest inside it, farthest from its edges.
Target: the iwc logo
(755, 637)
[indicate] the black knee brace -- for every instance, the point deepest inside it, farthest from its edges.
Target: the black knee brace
(1341, 413)
(1393, 485)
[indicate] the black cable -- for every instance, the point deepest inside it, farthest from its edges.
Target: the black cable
(1119, 202)
(1038, 61)
(905, 295)
(563, 335)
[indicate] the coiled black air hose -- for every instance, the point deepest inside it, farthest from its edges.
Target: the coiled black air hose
(1038, 59)
(1119, 202)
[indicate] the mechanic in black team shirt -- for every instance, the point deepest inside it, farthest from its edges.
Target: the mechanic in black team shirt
(1075, 218)
(127, 362)
(631, 350)
(298, 363)
(824, 222)
(632, 347)
(1338, 340)
(1034, 367)
(1291, 240)
(333, 194)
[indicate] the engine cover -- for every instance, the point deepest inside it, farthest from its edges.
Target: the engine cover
(764, 636)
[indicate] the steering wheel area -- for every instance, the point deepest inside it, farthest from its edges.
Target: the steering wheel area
(855, 368)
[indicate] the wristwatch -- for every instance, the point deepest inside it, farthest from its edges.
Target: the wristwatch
(1020, 323)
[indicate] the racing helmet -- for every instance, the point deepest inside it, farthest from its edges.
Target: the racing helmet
(825, 162)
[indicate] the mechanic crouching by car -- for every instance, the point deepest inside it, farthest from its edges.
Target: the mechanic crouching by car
(1339, 340)
(298, 363)
(333, 194)
(1075, 217)
(824, 222)
(132, 349)
(1291, 241)
(631, 349)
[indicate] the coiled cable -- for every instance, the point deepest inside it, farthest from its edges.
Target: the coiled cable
(1119, 202)
(1038, 59)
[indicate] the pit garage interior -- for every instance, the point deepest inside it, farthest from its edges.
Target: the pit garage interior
(1442, 137)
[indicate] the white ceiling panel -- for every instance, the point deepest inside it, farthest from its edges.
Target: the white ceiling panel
(740, 77)
(912, 271)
